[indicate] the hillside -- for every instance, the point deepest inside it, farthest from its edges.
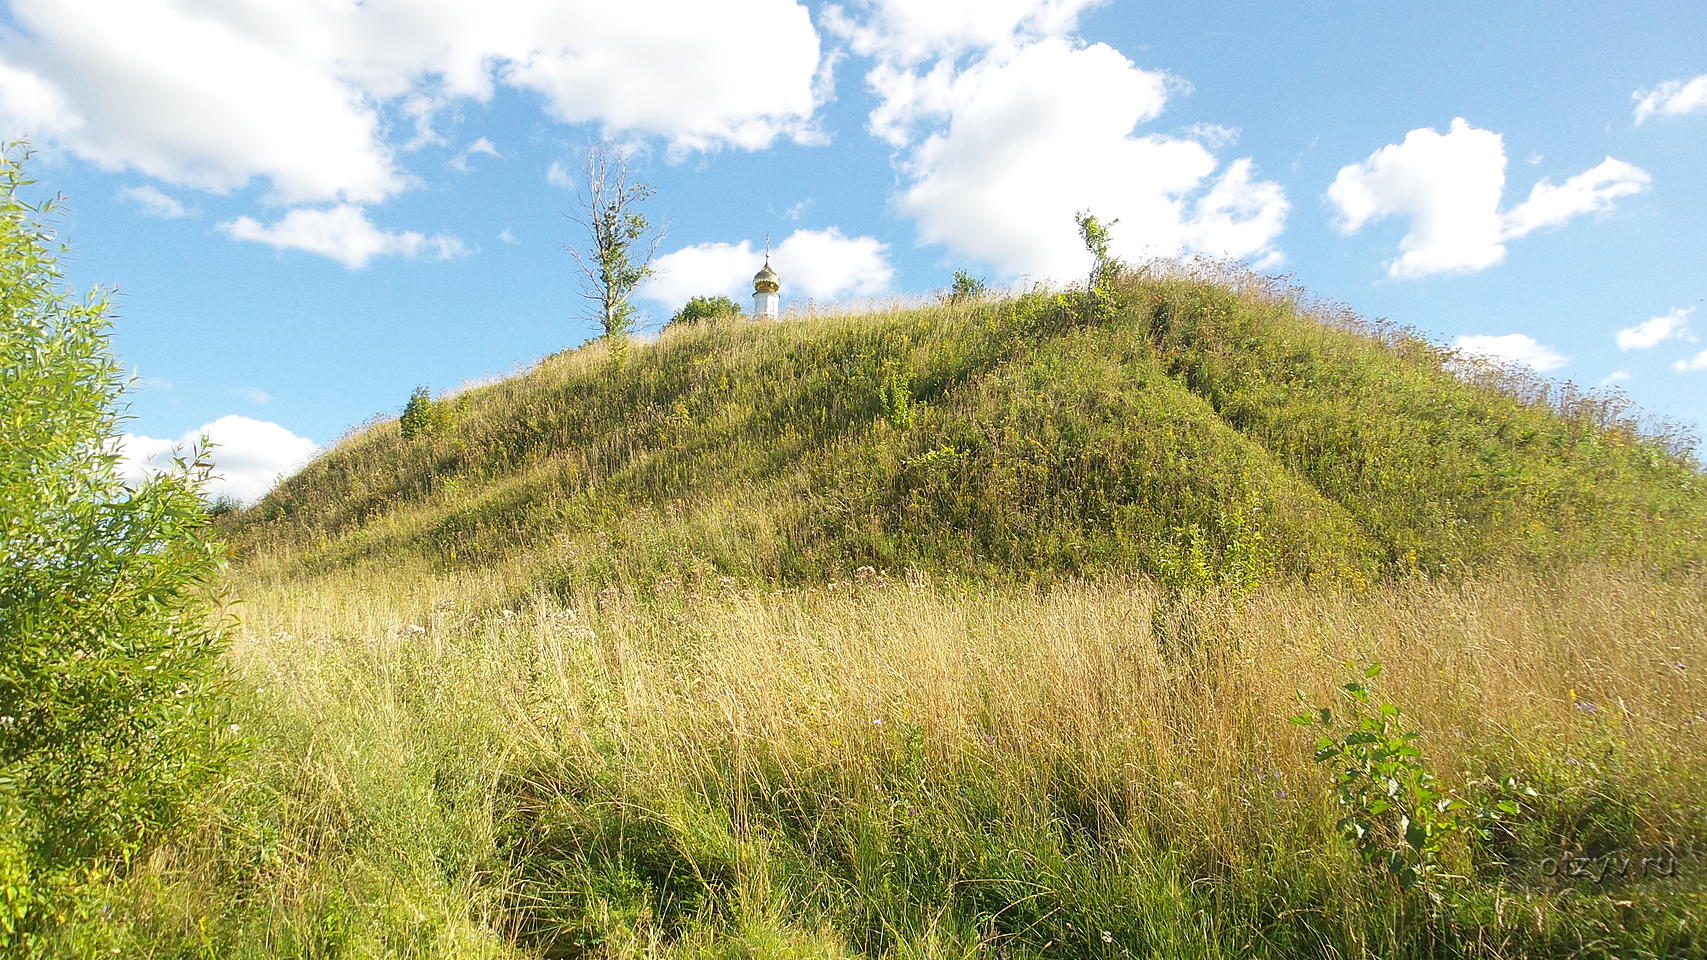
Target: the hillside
(588, 666)
(1201, 430)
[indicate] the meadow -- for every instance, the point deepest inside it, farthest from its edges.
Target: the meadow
(970, 630)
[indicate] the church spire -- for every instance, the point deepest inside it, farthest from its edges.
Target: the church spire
(765, 287)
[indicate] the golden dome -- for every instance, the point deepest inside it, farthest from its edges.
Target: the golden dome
(766, 280)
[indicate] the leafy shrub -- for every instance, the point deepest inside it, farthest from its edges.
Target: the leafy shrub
(698, 309)
(108, 642)
(966, 288)
(423, 416)
(1394, 810)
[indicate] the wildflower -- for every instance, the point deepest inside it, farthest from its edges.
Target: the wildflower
(416, 628)
(877, 721)
(1587, 707)
(864, 572)
(1107, 937)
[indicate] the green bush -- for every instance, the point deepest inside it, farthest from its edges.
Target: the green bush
(108, 637)
(423, 416)
(705, 308)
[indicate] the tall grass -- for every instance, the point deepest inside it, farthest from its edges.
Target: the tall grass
(907, 768)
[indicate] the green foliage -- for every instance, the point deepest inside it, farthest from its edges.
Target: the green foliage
(424, 416)
(1105, 269)
(108, 639)
(966, 288)
(895, 395)
(1393, 809)
(1230, 556)
(699, 309)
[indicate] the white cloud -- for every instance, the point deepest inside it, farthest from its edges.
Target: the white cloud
(1027, 138)
(193, 98)
(1512, 348)
(253, 395)
(740, 72)
(249, 456)
(1592, 191)
(704, 269)
(1697, 362)
(460, 163)
(1651, 332)
(559, 176)
(343, 233)
(154, 202)
(1672, 98)
(826, 265)
(813, 264)
(1615, 377)
(314, 96)
(908, 31)
(1450, 186)
(508, 236)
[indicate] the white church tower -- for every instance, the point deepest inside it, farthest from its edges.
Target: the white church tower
(765, 286)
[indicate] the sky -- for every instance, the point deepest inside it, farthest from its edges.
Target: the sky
(307, 208)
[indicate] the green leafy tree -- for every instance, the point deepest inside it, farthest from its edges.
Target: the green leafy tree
(966, 287)
(109, 639)
(622, 241)
(705, 308)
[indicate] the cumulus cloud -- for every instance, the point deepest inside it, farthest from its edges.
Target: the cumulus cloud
(815, 264)
(308, 96)
(1028, 137)
(343, 233)
(1450, 187)
(154, 202)
(1512, 349)
(1697, 362)
(1615, 377)
(248, 456)
(1655, 330)
(1672, 98)
(557, 174)
(192, 98)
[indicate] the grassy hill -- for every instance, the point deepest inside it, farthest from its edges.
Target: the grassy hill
(973, 631)
(1199, 430)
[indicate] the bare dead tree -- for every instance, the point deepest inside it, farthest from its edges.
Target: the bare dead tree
(622, 242)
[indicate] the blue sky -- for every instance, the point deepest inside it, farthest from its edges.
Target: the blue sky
(309, 207)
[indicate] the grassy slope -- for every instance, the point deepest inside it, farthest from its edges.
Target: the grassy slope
(1197, 433)
(593, 675)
